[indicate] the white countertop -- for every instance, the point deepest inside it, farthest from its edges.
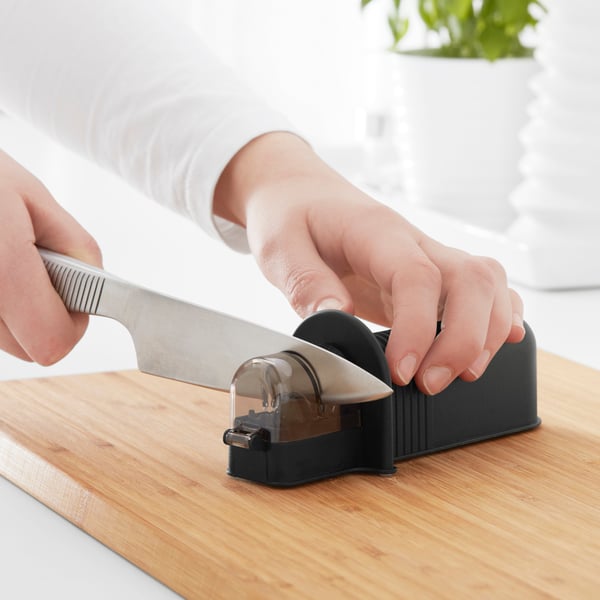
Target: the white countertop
(42, 553)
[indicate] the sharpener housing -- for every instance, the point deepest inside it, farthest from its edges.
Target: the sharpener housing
(277, 399)
(282, 434)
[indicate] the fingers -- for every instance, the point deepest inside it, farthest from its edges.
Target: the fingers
(370, 301)
(29, 307)
(428, 281)
(479, 315)
(517, 330)
(415, 294)
(56, 229)
(475, 322)
(34, 323)
(381, 247)
(10, 345)
(307, 282)
(505, 323)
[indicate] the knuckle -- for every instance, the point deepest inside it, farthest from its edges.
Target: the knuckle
(485, 271)
(46, 356)
(92, 249)
(51, 351)
(298, 284)
(515, 300)
(81, 246)
(50, 342)
(500, 327)
(426, 273)
(496, 267)
(470, 348)
(40, 191)
(267, 251)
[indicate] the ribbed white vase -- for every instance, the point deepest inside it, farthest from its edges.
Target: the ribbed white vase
(458, 125)
(558, 202)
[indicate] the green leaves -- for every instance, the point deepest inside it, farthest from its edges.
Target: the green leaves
(459, 8)
(488, 29)
(500, 25)
(428, 10)
(495, 42)
(398, 26)
(513, 11)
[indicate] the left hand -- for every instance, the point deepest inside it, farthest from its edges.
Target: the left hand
(326, 244)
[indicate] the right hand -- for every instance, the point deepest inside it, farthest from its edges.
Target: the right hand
(34, 323)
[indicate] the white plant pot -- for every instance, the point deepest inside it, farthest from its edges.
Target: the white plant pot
(458, 133)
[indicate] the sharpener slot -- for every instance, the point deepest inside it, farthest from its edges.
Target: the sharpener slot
(280, 394)
(248, 437)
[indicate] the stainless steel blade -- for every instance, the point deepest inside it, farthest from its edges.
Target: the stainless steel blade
(182, 341)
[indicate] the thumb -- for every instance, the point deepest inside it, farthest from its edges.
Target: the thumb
(57, 230)
(293, 264)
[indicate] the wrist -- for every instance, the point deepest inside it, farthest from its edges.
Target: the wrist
(265, 161)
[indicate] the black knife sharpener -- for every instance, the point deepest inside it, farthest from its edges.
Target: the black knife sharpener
(283, 435)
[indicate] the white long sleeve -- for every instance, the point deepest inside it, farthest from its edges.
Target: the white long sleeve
(135, 90)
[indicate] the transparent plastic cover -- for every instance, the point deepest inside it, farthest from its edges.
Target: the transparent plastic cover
(280, 393)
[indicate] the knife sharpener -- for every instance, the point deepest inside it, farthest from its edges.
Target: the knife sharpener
(282, 434)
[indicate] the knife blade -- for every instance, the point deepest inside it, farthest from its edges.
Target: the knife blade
(190, 343)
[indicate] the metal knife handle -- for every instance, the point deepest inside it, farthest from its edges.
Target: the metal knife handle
(86, 289)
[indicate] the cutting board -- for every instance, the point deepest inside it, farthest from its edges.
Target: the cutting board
(138, 462)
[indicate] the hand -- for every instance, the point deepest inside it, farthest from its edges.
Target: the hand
(325, 244)
(34, 324)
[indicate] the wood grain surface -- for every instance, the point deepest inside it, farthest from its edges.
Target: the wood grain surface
(138, 463)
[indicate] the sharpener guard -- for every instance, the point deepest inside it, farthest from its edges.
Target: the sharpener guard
(370, 437)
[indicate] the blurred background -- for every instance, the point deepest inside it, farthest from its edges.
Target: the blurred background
(308, 59)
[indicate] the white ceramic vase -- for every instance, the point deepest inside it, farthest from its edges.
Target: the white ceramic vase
(559, 200)
(458, 125)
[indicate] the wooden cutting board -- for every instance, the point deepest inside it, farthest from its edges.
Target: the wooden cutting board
(138, 462)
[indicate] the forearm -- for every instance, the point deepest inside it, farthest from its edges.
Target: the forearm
(133, 89)
(274, 165)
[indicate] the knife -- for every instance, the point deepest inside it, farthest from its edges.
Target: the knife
(179, 340)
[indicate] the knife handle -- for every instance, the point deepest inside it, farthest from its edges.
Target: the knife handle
(84, 288)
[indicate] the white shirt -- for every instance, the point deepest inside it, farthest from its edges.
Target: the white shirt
(131, 87)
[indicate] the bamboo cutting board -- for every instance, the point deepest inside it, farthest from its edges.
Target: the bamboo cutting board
(138, 462)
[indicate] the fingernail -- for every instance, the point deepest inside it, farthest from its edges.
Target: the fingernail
(406, 368)
(478, 367)
(328, 304)
(436, 379)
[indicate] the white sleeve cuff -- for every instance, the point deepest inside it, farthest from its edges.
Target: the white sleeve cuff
(208, 164)
(134, 89)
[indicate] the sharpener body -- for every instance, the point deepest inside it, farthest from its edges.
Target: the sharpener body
(282, 434)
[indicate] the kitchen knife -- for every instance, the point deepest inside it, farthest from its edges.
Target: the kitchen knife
(182, 341)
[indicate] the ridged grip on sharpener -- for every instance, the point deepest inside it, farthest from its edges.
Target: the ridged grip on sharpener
(412, 413)
(80, 292)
